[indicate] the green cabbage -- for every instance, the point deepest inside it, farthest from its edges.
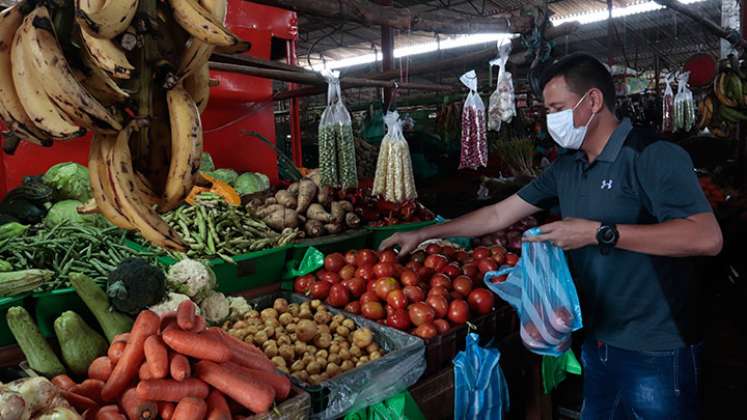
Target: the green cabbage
(226, 175)
(206, 162)
(69, 180)
(67, 211)
(251, 182)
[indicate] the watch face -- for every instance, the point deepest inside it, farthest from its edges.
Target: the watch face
(607, 234)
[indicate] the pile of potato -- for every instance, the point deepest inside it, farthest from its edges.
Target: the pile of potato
(306, 340)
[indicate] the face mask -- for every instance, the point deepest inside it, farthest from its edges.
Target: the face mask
(560, 126)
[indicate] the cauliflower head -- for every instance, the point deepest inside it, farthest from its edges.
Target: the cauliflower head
(192, 278)
(170, 304)
(238, 306)
(215, 307)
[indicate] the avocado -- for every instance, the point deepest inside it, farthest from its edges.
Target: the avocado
(79, 343)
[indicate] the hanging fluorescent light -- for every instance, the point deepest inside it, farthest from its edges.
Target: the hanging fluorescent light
(617, 12)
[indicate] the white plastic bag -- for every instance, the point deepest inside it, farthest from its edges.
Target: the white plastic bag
(474, 134)
(394, 178)
(684, 104)
(502, 104)
(667, 120)
(337, 165)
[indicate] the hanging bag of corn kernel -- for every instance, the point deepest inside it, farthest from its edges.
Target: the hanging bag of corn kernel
(394, 178)
(502, 104)
(337, 166)
(474, 131)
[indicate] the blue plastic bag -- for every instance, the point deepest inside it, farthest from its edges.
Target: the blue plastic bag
(541, 290)
(480, 389)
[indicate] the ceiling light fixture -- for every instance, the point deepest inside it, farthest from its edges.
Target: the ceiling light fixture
(617, 12)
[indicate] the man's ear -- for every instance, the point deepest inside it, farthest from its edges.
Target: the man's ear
(597, 100)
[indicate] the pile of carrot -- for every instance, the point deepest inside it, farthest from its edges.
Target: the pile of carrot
(175, 368)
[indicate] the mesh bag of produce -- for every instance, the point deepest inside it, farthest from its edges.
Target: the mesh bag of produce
(684, 104)
(502, 104)
(337, 164)
(394, 178)
(667, 120)
(541, 290)
(474, 135)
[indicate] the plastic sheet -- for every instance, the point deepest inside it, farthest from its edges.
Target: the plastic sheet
(394, 179)
(502, 104)
(541, 290)
(400, 367)
(667, 121)
(337, 164)
(480, 389)
(684, 104)
(474, 135)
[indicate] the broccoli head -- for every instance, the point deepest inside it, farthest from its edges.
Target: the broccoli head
(134, 285)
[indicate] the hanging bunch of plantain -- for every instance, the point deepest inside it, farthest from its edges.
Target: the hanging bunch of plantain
(726, 106)
(135, 73)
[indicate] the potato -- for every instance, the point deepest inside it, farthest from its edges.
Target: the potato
(305, 314)
(343, 331)
(284, 339)
(344, 345)
(271, 350)
(255, 322)
(249, 339)
(314, 368)
(334, 348)
(323, 376)
(278, 361)
(291, 328)
(260, 337)
(293, 309)
(299, 347)
(272, 323)
(285, 319)
(315, 303)
(280, 305)
(339, 318)
(362, 337)
(359, 364)
(323, 329)
(363, 359)
(269, 313)
(323, 340)
(283, 369)
(322, 353)
(269, 342)
(287, 352)
(308, 358)
(239, 325)
(305, 305)
(374, 356)
(298, 365)
(373, 347)
(252, 314)
(348, 323)
(345, 354)
(279, 332)
(334, 324)
(332, 369)
(306, 330)
(356, 351)
(270, 331)
(315, 379)
(346, 365)
(311, 349)
(302, 375)
(334, 358)
(322, 317)
(252, 329)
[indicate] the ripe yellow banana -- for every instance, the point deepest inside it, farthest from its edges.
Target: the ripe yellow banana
(107, 56)
(719, 88)
(101, 185)
(201, 24)
(197, 52)
(198, 86)
(105, 18)
(145, 219)
(98, 82)
(40, 43)
(40, 108)
(186, 146)
(11, 108)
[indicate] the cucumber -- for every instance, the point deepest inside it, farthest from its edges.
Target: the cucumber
(111, 321)
(79, 343)
(37, 350)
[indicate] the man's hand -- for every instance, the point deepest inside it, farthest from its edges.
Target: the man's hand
(568, 233)
(407, 242)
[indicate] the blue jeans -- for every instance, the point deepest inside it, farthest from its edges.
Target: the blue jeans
(624, 384)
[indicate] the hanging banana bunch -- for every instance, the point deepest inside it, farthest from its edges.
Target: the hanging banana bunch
(133, 72)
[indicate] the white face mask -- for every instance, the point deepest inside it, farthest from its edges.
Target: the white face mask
(561, 128)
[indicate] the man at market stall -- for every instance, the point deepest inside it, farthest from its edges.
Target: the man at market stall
(633, 212)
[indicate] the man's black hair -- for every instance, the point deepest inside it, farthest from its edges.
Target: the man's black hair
(583, 72)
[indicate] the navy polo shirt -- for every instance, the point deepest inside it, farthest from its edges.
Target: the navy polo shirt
(629, 300)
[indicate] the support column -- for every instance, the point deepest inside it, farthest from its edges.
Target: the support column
(387, 51)
(294, 111)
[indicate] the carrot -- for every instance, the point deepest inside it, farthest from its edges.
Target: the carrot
(200, 346)
(171, 390)
(63, 382)
(200, 324)
(217, 407)
(190, 409)
(165, 409)
(136, 408)
(90, 388)
(78, 401)
(109, 412)
(185, 315)
(124, 372)
(115, 351)
(100, 368)
(179, 367)
(121, 338)
(157, 357)
(144, 373)
(251, 394)
(242, 353)
(169, 325)
(231, 341)
(166, 317)
(280, 383)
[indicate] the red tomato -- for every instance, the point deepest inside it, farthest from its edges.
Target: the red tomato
(561, 320)
(397, 299)
(424, 273)
(365, 272)
(334, 262)
(481, 301)
(439, 290)
(350, 257)
(356, 286)
(448, 251)
(384, 269)
(388, 256)
(511, 259)
(338, 296)
(384, 285)
(481, 252)
(408, 278)
(433, 249)
(499, 259)
(458, 311)
(353, 307)
(439, 304)
(455, 295)
(319, 289)
(441, 280)
(301, 285)
(368, 297)
(470, 269)
(329, 277)
(366, 256)
(414, 294)
(452, 270)
(463, 285)
(347, 272)
(398, 319)
(413, 265)
(499, 279)
(436, 262)
(426, 331)
(418, 257)
(373, 310)
(461, 256)
(420, 313)
(497, 250)
(442, 325)
(487, 264)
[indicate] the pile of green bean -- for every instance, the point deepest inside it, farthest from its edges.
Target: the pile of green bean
(214, 229)
(70, 248)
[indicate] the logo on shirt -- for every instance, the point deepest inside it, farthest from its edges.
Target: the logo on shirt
(606, 184)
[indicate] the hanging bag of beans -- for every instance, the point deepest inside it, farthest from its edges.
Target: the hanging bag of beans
(502, 104)
(684, 104)
(337, 167)
(474, 134)
(667, 121)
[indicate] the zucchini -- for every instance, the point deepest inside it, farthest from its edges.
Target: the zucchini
(79, 343)
(17, 282)
(37, 350)
(111, 321)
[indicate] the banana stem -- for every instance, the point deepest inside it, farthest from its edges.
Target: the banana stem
(147, 11)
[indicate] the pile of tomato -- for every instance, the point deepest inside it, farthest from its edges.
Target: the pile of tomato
(426, 294)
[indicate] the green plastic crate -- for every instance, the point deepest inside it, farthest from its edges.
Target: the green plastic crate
(251, 270)
(6, 337)
(50, 305)
(379, 234)
(352, 239)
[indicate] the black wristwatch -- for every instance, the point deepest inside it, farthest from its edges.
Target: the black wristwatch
(607, 236)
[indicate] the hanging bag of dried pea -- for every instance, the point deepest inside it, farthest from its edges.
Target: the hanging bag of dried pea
(474, 135)
(502, 104)
(667, 101)
(337, 166)
(394, 179)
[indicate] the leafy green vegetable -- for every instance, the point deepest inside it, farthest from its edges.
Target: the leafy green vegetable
(227, 175)
(206, 162)
(12, 230)
(67, 210)
(69, 180)
(251, 182)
